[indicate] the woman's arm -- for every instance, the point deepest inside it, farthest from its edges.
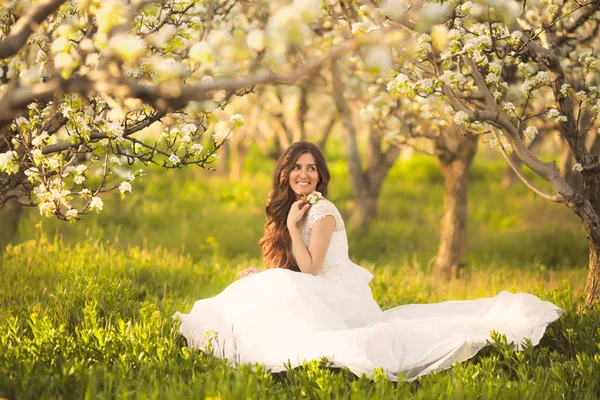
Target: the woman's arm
(310, 259)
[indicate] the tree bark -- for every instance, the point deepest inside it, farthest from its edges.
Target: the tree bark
(453, 233)
(222, 168)
(592, 284)
(509, 177)
(9, 219)
(366, 183)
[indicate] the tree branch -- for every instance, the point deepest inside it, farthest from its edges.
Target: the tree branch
(26, 25)
(517, 171)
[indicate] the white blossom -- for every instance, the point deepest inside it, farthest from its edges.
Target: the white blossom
(47, 208)
(40, 139)
(116, 129)
(126, 46)
(96, 203)
(237, 120)
(393, 8)
(196, 148)
(530, 132)
(256, 40)
(578, 167)
(377, 59)
(555, 115)
(461, 118)
(125, 187)
(174, 159)
(8, 162)
(72, 213)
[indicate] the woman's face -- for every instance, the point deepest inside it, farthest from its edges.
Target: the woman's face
(304, 176)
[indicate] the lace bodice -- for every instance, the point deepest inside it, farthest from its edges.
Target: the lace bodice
(337, 264)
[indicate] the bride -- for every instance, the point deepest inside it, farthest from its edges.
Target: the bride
(313, 301)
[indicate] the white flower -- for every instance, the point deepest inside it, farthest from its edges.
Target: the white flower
(493, 143)
(47, 208)
(555, 115)
(168, 68)
(207, 79)
(64, 61)
(287, 26)
(126, 46)
(237, 120)
(394, 9)
(377, 59)
(256, 40)
(314, 197)
(116, 129)
(60, 44)
(21, 121)
(40, 139)
(508, 148)
(125, 187)
(461, 118)
(196, 148)
(8, 162)
(564, 89)
(72, 213)
(530, 132)
(174, 159)
(79, 179)
(201, 52)
(308, 9)
(96, 203)
(578, 167)
(358, 28)
(114, 160)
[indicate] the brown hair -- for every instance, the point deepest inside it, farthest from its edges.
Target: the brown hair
(276, 244)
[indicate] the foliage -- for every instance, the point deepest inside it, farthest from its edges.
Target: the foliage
(90, 320)
(93, 317)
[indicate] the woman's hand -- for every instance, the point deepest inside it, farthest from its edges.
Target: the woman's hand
(247, 272)
(297, 212)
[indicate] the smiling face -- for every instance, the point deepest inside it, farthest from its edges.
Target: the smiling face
(304, 176)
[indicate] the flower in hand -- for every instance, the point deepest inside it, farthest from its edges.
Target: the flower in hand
(313, 198)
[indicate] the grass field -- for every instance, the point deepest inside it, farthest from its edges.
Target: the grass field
(88, 305)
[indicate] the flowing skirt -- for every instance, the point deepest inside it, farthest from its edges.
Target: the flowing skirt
(280, 318)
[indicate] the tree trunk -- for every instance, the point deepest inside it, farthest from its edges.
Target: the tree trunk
(10, 218)
(365, 209)
(239, 150)
(453, 233)
(592, 284)
(366, 184)
(222, 167)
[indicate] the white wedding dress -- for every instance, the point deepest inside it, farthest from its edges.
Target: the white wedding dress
(279, 318)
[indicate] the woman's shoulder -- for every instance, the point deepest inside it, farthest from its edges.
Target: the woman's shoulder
(321, 209)
(323, 205)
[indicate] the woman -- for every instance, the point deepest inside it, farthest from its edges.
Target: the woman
(314, 302)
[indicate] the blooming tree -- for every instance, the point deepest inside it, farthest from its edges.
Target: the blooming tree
(505, 69)
(83, 80)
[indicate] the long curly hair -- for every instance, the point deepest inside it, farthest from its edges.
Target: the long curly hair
(276, 244)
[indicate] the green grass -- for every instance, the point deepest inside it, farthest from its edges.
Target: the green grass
(88, 305)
